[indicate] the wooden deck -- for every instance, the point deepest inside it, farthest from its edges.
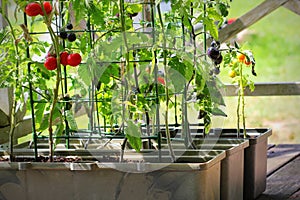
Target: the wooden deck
(283, 172)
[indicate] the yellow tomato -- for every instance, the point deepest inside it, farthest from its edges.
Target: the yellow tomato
(232, 73)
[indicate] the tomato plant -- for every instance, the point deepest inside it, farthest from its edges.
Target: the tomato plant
(135, 64)
(236, 59)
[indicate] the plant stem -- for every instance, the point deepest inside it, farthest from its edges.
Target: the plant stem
(125, 69)
(13, 120)
(241, 100)
(238, 114)
(243, 116)
(54, 38)
(166, 86)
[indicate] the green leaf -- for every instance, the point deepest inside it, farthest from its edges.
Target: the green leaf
(226, 59)
(182, 66)
(40, 112)
(200, 83)
(133, 8)
(177, 80)
(135, 40)
(114, 70)
(85, 72)
(251, 86)
(79, 7)
(133, 135)
(213, 14)
(218, 112)
(84, 44)
(215, 93)
(58, 132)
(207, 124)
(97, 15)
(103, 73)
(71, 120)
(223, 9)
(44, 123)
(211, 27)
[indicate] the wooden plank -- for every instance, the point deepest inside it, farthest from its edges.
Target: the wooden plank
(266, 89)
(284, 183)
(280, 155)
(293, 5)
(249, 18)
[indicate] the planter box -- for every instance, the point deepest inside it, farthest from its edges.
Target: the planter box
(255, 171)
(255, 156)
(232, 166)
(255, 159)
(199, 179)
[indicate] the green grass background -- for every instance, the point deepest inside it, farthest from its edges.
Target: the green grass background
(275, 42)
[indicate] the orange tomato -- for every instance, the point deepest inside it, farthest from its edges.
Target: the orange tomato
(241, 57)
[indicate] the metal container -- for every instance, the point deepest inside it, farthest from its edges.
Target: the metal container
(198, 179)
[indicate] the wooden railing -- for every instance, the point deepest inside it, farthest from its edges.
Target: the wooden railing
(243, 22)
(266, 89)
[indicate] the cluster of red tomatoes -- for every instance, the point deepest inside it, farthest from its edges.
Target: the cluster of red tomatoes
(73, 59)
(34, 9)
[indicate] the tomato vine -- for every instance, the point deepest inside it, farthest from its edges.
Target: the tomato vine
(133, 60)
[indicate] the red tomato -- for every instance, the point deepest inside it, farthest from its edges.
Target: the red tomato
(48, 8)
(50, 63)
(74, 59)
(33, 9)
(247, 62)
(64, 58)
(161, 80)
